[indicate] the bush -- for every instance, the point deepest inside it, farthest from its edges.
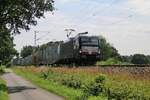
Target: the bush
(118, 93)
(140, 59)
(122, 91)
(110, 61)
(95, 87)
(2, 69)
(100, 79)
(47, 74)
(139, 94)
(71, 81)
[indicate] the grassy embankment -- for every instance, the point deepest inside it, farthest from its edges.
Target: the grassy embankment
(51, 86)
(89, 83)
(3, 88)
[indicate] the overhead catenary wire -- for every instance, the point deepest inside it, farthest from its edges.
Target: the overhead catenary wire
(37, 39)
(102, 10)
(82, 10)
(126, 18)
(118, 21)
(122, 19)
(87, 12)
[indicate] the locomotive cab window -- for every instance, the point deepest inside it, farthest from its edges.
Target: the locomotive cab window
(91, 41)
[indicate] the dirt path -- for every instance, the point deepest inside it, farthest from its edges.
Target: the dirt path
(20, 89)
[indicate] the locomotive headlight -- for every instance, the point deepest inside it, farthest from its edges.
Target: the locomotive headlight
(80, 51)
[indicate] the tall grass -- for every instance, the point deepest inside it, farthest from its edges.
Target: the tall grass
(3, 90)
(67, 93)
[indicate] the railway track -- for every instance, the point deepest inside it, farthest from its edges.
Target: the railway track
(92, 66)
(132, 65)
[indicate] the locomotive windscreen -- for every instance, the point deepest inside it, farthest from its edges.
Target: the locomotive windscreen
(91, 41)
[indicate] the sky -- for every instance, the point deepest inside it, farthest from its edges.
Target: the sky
(124, 23)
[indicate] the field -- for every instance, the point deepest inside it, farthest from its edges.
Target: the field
(93, 83)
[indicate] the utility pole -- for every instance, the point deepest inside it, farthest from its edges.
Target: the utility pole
(69, 32)
(35, 32)
(35, 44)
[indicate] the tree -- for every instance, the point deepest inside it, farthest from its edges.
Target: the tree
(20, 14)
(139, 59)
(148, 58)
(107, 50)
(26, 51)
(126, 59)
(7, 50)
(16, 15)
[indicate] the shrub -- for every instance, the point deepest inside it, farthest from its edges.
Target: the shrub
(95, 87)
(2, 69)
(71, 81)
(100, 79)
(46, 74)
(118, 93)
(82, 97)
(110, 61)
(139, 95)
(121, 91)
(140, 59)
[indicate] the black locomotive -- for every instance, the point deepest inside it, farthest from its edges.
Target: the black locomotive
(81, 49)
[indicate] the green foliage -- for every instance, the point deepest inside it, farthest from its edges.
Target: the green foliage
(16, 15)
(67, 80)
(123, 91)
(110, 61)
(47, 74)
(100, 79)
(3, 90)
(126, 59)
(67, 93)
(27, 50)
(2, 69)
(95, 87)
(140, 59)
(71, 81)
(7, 50)
(148, 58)
(97, 98)
(107, 50)
(118, 93)
(20, 14)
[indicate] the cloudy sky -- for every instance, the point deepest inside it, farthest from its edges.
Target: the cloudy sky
(124, 23)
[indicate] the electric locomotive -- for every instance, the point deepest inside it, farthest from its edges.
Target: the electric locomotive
(81, 49)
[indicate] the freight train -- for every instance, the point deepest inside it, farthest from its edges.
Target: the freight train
(81, 49)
